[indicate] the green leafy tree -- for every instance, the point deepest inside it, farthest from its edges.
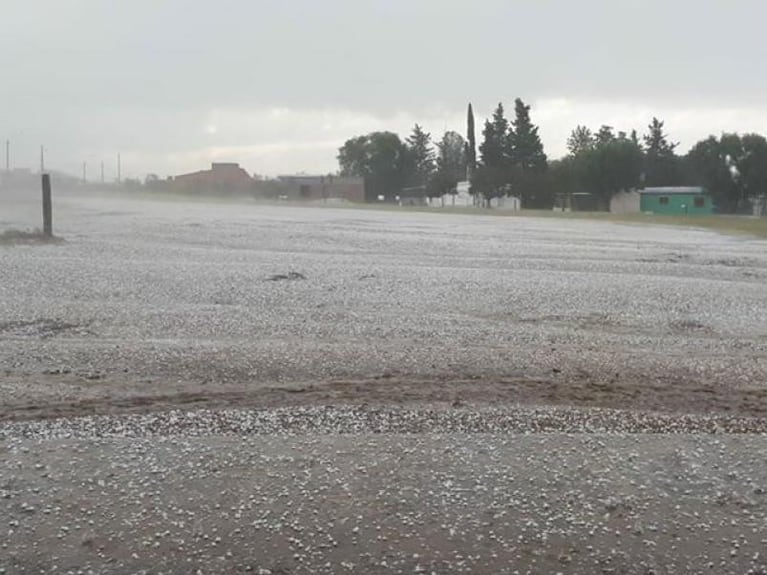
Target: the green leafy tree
(379, 157)
(710, 167)
(581, 140)
(562, 180)
(420, 158)
(451, 155)
(527, 159)
(489, 182)
(494, 147)
(614, 164)
(525, 149)
(354, 156)
(732, 168)
(662, 165)
(493, 176)
(732, 149)
(440, 184)
(451, 165)
(604, 135)
(753, 166)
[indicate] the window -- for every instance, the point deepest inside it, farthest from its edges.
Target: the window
(700, 202)
(663, 201)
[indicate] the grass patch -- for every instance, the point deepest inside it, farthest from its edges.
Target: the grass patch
(24, 237)
(747, 225)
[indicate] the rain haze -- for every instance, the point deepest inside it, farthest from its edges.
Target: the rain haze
(383, 287)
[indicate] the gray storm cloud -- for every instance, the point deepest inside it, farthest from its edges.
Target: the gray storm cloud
(280, 85)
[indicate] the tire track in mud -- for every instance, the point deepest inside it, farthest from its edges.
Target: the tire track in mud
(579, 391)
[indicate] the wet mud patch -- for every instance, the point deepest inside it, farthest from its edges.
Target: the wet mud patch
(733, 262)
(671, 258)
(22, 237)
(290, 276)
(117, 213)
(690, 326)
(39, 328)
(582, 321)
(678, 400)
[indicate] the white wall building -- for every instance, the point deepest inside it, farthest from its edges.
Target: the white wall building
(508, 203)
(626, 203)
(461, 199)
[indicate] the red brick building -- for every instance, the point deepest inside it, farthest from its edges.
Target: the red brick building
(223, 178)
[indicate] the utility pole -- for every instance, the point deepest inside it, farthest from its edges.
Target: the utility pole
(7, 155)
(47, 207)
(102, 171)
(119, 169)
(85, 173)
(42, 159)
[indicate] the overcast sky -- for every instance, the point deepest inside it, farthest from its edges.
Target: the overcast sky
(279, 85)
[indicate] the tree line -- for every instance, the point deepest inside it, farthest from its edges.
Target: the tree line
(512, 161)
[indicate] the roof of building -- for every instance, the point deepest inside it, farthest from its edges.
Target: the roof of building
(225, 174)
(301, 176)
(671, 190)
(311, 178)
(413, 192)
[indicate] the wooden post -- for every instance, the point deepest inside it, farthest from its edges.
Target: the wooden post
(47, 207)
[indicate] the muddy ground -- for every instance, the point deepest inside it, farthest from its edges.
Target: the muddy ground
(382, 490)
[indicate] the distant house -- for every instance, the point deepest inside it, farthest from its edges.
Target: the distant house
(759, 205)
(508, 203)
(222, 178)
(576, 202)
(691, 200)
(626, 202)
(671, 200)
(414, 196)
(323, 188)
(463, 196)
(459, 198)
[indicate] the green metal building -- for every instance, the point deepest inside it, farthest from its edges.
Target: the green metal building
(676, 201)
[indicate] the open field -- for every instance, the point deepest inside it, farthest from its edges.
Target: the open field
(722, 223)
(241, 388)
(152, 304)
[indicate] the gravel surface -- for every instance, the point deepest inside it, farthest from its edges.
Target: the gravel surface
(290, 491)
(163, 304)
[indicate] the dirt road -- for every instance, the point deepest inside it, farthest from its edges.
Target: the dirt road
(320, 490)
